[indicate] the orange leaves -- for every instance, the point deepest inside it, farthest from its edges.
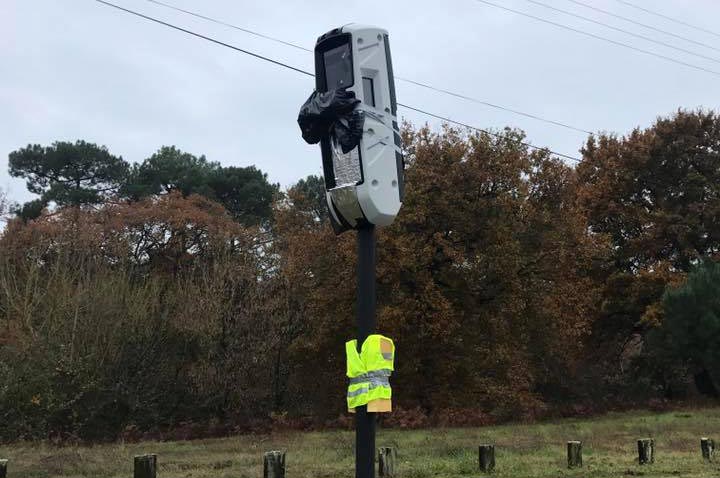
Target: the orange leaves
(483, 279)
(166, 231)
(655, 192)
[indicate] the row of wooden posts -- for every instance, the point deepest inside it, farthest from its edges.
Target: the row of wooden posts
(645, 447)
(145, 466)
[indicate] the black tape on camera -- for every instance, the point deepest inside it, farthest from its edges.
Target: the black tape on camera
(332, 113)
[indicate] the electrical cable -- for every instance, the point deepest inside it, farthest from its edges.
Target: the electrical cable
(400, 78)
(497, 135)
(230, 25)
(621, 30)
(492, 105)
(666, 17)
(644, 25)
(599, 37)
(307, 73)
(213, 40)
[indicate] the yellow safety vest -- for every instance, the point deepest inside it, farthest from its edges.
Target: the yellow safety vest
(369, 372)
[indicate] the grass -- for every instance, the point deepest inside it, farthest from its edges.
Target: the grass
(538, 450)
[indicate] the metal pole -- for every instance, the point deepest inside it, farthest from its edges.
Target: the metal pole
(364, 421)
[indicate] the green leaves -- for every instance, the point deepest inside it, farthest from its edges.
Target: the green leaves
(82, 173)
(169, 170)
(245, 192)
(308, 195)
(69, 174)
(690, 333)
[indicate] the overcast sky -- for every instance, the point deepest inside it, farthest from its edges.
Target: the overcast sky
(75, 69)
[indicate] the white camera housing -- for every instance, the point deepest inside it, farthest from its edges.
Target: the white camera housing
(364, 186)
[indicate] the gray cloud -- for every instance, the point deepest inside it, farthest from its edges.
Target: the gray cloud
(74, 69)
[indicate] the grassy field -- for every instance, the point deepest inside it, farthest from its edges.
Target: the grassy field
(522, 451)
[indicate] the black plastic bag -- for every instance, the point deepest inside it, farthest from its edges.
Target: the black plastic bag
(332, 113)
(349, 132)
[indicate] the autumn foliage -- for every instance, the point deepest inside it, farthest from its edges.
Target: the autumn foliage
(514, 285)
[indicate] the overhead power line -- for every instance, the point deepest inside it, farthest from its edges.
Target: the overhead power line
(230, 25)
(400, 78)
(599, 37)
(621, 30)
(307, 73)
(497, 135)
(667, 17)
(492, 105)
(213, 40)
(644, 25)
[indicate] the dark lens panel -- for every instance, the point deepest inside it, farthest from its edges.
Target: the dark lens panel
(338, 67)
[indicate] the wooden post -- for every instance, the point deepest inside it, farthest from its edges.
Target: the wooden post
(707, 446)
(574, 454)
(3, 468)
(145, 466)
(646, 451)
(274, 464)
(386, 461)
(486, 457)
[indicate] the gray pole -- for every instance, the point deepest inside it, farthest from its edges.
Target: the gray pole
(364, 421)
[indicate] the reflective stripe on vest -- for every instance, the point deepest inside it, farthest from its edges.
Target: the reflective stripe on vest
(377, 376)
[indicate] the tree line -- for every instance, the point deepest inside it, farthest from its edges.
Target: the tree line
(178, 292)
